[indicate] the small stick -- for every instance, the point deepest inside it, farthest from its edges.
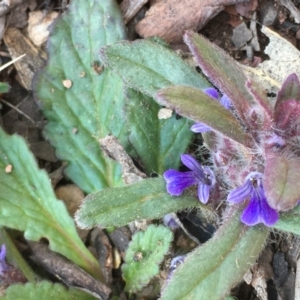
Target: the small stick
(18, 110)
(11, 62)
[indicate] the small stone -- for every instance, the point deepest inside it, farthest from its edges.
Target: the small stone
(8, 169)
(67, 83)
(241, 35)
(165, 113)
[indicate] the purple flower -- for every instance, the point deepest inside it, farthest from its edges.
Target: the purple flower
(225, 101)
(213, 93)
(200, 127)
(175, 263)
(179, 181)
(258, 209)
(3, 264)
(169, 221)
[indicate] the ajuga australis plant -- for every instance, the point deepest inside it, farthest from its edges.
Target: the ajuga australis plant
(249, 179)
(253, 168)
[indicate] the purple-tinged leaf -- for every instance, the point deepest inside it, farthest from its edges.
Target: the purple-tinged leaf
(196, 105)
(222, 70)
(289, 90)
(287, 116)
(281, 183)
(262, 99)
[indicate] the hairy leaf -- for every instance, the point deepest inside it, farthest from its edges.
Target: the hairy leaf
(143, 256)
(82, 100)
(223, 71)
(289, 221)
(211, 270)
(157, 143)
(147, 199)
(281, 181)
(28, 204)
(44, 290)
(147, 66)
(286, 117)
(290, 90)
(198, 106)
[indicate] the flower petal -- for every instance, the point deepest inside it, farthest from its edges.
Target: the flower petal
(203, 192)
(225, 101)
(196, 167)
(190, 162)
(211, 92)
(3, 264)
(200, 127)
(251, 214)
(269, 216)
(2, 252)
(241, 193)
(169, 221)
(178, 181)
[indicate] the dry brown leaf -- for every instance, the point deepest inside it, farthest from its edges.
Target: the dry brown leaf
(18, 17)
(38, 25)
(2, 26)
(113, 149)
(72, 196)
(130, 8)
(7, 5)
(18, 44)
(170, 18)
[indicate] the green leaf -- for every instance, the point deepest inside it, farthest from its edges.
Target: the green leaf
(148, 67)
(143, 256)
(4, 87)
(157, 143)
(289, 221)
(211, 270)
(223, 71)
(281, 182)
(28, 204)
(198, 106)
(93, 106)
(147, 199)
(44, 290)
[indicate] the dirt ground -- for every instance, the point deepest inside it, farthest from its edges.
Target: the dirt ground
(235, 27)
